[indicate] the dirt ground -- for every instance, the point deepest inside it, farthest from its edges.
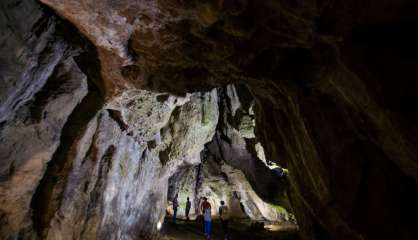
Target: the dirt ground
(238, 229)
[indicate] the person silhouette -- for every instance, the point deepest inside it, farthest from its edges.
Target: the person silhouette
(188, 206)
(175, 206)
(224, 215)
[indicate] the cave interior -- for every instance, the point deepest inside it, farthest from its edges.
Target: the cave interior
(299, 114)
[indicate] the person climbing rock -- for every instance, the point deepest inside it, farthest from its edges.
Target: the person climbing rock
(188, 206)
(224, 215)
(175, 206)
(207, 217)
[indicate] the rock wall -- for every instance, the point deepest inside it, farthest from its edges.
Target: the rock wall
(41, 85)
(231, 170)
(346, 156)
(31, 138)
(206, 179)
(333, 83)
(72, 167)
(28, 54)
(117, 187)
(237, 144)
(218, 181)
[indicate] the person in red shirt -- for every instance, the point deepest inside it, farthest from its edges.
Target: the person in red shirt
(207, 217)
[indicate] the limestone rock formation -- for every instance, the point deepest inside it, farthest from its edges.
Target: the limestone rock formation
(219, 181)
(28, 56)
(102, 102)
(120, 175)
(206, 179)
(231, 170)
(31, 138)
(40, 87)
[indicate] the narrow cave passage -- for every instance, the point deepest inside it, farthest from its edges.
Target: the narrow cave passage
(234, 170)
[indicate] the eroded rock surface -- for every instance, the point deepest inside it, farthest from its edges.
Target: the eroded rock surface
(32, 137)
(122, 163)
(40, 87)
(218, 181)
(333, 83)
(231, 170)
(28, 56)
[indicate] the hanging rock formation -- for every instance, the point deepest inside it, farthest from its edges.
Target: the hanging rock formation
(97, 113)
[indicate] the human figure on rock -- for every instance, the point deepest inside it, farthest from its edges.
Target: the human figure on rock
(224, 215)
(207, 217)
(175, 206)
(188, 206)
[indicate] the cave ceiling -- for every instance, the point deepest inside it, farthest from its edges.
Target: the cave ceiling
(201, 44)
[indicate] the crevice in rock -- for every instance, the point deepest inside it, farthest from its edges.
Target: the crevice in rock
(40, 26)
(164, 155)
(47, 197)
(52, 88)
(84, 52)
(44, 203)
(96, 192)
(117, 116)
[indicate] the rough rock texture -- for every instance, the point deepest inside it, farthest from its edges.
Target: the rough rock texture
(122, 162)
(29, 142)
(43, 86)
(72, 168)
(320, 72)
(345, 156)
(195, 44)
(333, 83)
(206, 179)
(28, 56)
(236, 143)
(218, 181)
(40, 87)
(231, 170)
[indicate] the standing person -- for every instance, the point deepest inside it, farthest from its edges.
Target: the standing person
(207, 217)
(224, 215)
(175, 206)
(188, 206)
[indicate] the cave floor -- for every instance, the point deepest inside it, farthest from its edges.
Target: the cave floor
(238, 229)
